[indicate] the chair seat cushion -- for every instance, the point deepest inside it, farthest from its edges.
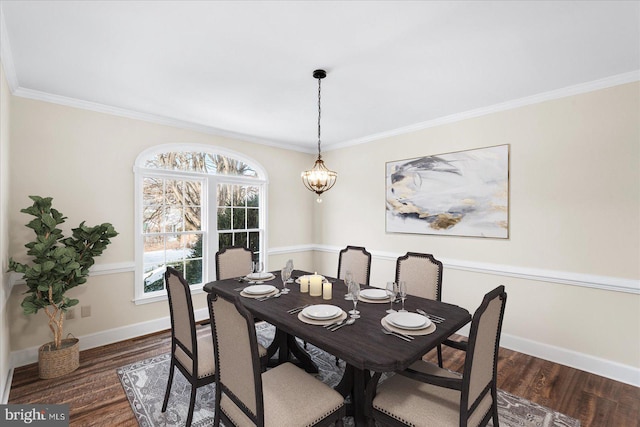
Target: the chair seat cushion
(419, 404)
(292, 398)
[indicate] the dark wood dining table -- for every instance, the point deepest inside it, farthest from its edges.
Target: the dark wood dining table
(362, 346)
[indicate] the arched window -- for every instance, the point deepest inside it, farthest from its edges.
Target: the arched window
(191, 201)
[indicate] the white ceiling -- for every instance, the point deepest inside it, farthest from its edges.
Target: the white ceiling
(244, 68)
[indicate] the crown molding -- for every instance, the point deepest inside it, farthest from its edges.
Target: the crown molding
(591, 86)
(181, 124)
(151, 118)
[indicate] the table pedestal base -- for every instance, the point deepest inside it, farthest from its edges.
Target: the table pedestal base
(286, 345)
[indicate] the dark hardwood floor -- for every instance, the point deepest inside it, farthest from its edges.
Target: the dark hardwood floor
(96, 397)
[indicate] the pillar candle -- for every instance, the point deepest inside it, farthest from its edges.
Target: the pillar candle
(326, 290)
(315, 285)
(304, 284)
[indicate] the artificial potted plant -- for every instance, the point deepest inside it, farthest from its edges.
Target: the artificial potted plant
(59, 264)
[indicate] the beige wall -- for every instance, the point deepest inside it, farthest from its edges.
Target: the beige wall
(4, 233)
(574, 209)
(84, 160)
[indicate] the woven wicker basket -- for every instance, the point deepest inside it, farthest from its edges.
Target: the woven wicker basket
(53, 363)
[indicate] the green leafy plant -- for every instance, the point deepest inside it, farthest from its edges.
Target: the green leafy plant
(59, 263)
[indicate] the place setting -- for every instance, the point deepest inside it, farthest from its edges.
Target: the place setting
(374, 296)
(406, 325)
(321, 314)
(259, 292)
(258, 276)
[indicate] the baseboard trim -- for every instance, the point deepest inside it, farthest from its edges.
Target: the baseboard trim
(4, 398)
(605, 368)
(98, 339)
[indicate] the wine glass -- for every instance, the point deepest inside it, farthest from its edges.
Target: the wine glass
(290, 268)
(392, 291)
(402, 290)
(258, 266)
(285, 274)
(354, 291)
(348, 278)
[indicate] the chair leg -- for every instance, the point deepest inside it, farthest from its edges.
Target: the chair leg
(496, 423)
(440, 356)
(494, 409)
(169, 383)
(192, 403)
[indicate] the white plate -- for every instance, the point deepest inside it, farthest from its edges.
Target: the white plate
(408, 320)
(322, 311)
(374, 294)
(258, 276)
(259, 289)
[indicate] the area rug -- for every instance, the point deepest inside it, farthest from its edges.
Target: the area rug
(145, 382)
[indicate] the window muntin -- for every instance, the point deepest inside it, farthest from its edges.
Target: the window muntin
(215, 164)
(172, 229)
(239, 216)
(191, 203)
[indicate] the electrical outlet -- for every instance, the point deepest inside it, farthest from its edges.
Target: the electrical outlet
(71, 314)
(85, 311)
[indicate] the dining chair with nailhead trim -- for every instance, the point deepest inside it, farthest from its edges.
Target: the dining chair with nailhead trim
(423, 275)
(282, 396)
(425, 394)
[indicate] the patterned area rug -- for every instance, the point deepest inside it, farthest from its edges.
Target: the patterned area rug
(145, 382)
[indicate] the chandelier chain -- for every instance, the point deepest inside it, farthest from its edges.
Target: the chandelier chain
(319, 115)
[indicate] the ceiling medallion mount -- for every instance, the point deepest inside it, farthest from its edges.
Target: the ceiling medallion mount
(319, 178)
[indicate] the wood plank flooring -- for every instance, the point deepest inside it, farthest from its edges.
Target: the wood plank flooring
(96, 397)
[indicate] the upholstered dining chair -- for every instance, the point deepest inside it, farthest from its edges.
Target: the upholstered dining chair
(191, 353)
(423, 275)
(425, 394)
(280, 397)
(357, 260)
(233, 262)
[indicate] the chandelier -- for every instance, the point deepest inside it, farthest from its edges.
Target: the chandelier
(319, 179)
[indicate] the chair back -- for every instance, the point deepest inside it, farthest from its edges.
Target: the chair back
(183, 323)
(239, 381)
(233, 262)
(481, 364)
(357, 260)
(422, 273)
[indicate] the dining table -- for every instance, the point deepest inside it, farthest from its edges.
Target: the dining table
(363, 345)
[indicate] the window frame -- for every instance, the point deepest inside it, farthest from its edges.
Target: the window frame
(209, 224)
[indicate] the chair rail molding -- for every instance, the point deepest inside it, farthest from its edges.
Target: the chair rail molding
(95, 270)
(606, 283)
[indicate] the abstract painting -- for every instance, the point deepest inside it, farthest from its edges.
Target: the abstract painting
(465, 193)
